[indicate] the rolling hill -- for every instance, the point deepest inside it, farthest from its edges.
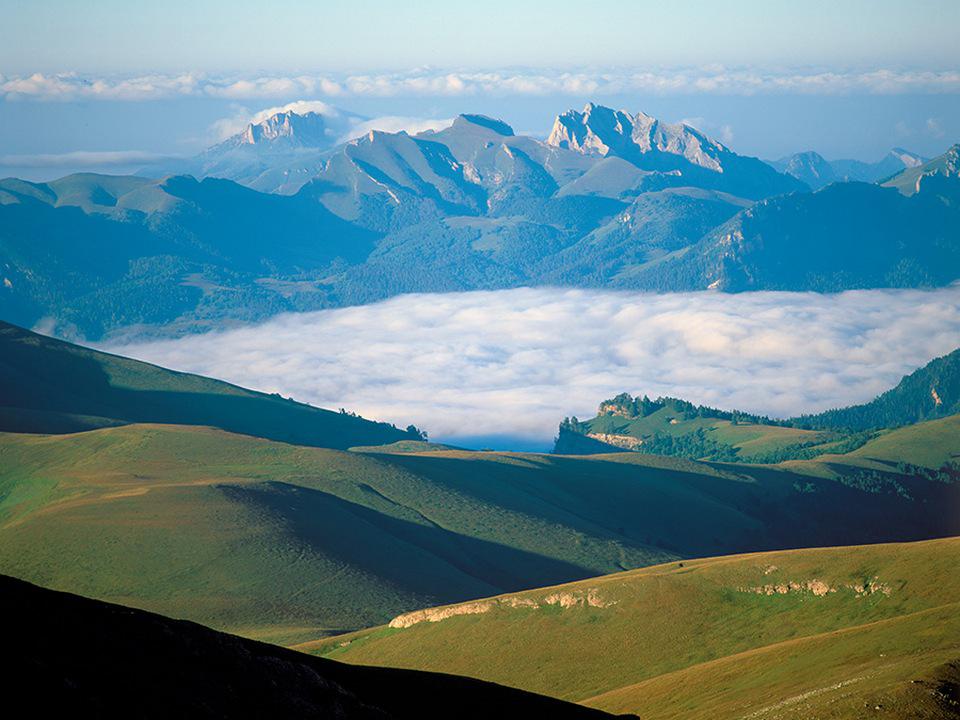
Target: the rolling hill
(74, 656)
(836, 632)
(51, 386)
(669, 426)
(285, 542)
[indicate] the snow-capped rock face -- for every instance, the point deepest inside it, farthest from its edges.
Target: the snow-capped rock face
(307, 130)
(603, 131)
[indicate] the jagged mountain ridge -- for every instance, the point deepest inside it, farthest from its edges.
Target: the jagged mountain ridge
(605, 131)
(309, 129)
(845, 236)
(277, 153)
(817, 172)
(472, 206)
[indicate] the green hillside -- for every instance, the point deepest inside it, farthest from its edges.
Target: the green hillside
(51, 386)
(832, 632)
(287, 542)
(668, 426)
(932, 391)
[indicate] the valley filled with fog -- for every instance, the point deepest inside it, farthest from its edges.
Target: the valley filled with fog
(502, 368)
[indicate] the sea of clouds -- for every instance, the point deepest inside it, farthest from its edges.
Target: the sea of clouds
(504, 367)
(515, 82)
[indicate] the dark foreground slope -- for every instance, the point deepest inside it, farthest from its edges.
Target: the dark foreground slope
(85, 658)
(50, 386)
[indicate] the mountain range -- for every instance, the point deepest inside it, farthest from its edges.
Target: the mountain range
(667, 559)
(816, 171)
(277, 153)
(609, 200)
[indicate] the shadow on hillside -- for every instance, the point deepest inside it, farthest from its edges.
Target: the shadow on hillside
(420, 557)
(41, 375)
(84, 658)
(742, 508)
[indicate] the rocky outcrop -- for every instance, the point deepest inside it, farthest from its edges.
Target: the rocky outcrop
(565, 599)
(615, 408)
(628, 442)
(818, 588)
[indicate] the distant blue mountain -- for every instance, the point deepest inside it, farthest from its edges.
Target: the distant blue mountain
(817, 172)
(610, 199)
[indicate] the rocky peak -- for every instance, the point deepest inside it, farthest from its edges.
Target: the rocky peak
(308, 130)
(808, 166)
(605, 131)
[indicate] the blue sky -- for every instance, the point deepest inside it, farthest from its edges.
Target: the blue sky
(111, 36)
(111, 79)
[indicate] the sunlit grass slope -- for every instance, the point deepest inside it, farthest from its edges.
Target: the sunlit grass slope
(832, 632)
(281, 541)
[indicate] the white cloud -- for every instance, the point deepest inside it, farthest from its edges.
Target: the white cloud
(515, 362)
(83, 158)
(70, 86)
(934, 127)
(429, 82)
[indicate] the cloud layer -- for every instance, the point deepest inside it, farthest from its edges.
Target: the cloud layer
(83, 159)
(515, 362)
(431, 82)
